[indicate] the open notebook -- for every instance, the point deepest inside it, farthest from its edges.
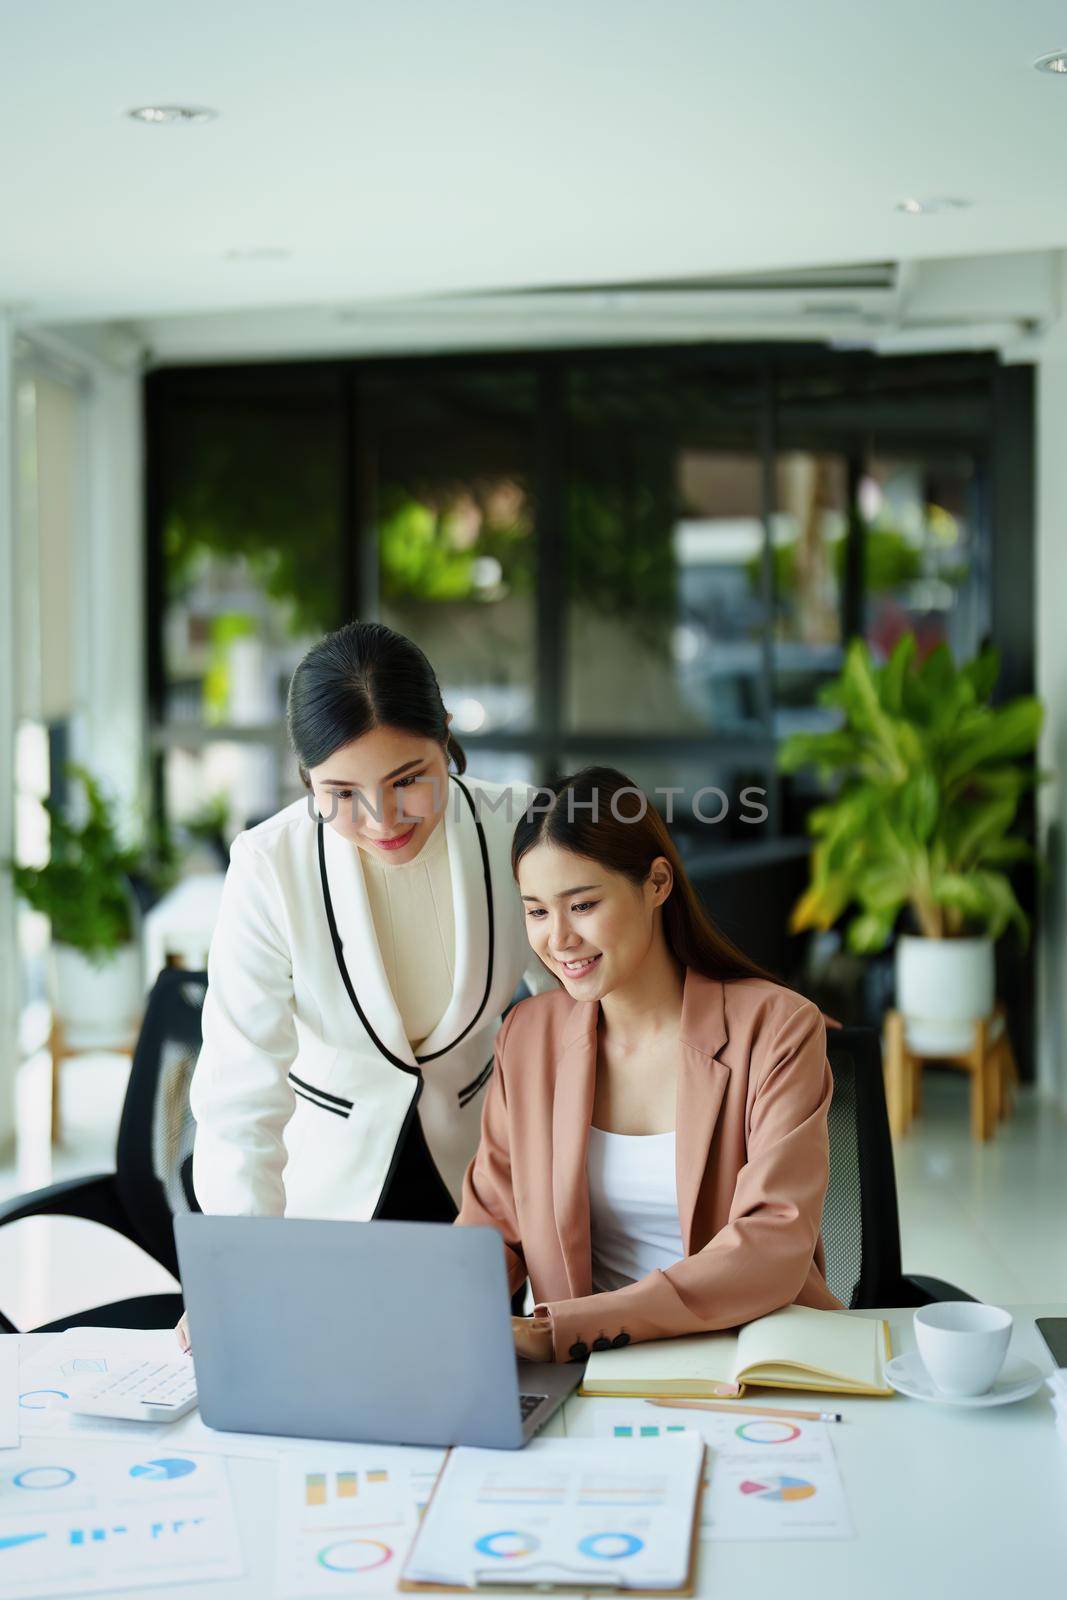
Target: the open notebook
(795, 1348)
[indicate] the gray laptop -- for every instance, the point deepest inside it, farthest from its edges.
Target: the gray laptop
(391, 1332)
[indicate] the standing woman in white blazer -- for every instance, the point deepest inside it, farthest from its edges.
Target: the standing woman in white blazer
(368, 941)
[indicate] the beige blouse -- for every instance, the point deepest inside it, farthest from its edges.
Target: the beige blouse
(411, 905)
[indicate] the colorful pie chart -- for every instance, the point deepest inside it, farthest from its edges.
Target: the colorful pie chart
(779, 1488)
(767, 1432)
(354, 1555)
(507, 1543)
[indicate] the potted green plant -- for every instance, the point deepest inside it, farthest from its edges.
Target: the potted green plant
(90, 888)
(923, 821)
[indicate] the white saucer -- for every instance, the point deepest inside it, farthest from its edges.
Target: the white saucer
(909, 1376)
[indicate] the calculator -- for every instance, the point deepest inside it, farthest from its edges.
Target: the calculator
(143, 1391)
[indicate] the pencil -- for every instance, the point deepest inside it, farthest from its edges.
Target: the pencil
(732, 1406)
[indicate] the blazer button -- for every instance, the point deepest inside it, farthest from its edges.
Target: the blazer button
(579, 1351)
(619, 1340)
(601, 1344)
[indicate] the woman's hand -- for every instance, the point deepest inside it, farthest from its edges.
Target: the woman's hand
(533, 1342)
(182, 1331)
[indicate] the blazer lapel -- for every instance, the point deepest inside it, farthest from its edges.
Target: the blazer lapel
(471, 922)
(702, 1082)
(360, 952)
(572, 1113)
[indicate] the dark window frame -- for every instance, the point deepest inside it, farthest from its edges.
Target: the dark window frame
(908, 428)
(995, 424)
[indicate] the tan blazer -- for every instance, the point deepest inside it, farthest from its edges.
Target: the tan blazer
(754, 1087)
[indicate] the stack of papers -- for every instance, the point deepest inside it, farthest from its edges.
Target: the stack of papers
(563, 1512)
(765, 1477)
(96, 1517)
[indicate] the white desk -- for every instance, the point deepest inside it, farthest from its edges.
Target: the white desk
(946, 1503)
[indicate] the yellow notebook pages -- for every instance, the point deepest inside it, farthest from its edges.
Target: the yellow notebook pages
(795, 1348)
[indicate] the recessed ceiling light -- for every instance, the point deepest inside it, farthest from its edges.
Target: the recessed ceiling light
(160, 114)
(259, 253)
(1055, 61)
(925, 208)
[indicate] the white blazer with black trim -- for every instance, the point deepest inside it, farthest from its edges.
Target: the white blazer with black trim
(306, 1082)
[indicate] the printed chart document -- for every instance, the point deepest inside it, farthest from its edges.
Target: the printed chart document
(563, 1512)
(88, 1517)
(80, 1357)
(9, 1390)
(765, 1477)
(78, 1360)
(347, 1515)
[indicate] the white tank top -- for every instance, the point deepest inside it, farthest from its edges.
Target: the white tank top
(633, 1206)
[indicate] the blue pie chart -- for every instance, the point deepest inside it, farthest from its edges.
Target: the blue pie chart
(43, 1478)
(166, 1467)
(610, 1546)
(31, 1401)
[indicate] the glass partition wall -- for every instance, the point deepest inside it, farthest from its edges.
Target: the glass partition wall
(649, 558)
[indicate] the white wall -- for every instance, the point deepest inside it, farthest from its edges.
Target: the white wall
(109, 734)
(1051, 626)
(8, 962)
(91, 632)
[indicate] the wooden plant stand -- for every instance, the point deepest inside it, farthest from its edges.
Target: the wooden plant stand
(990, 1061)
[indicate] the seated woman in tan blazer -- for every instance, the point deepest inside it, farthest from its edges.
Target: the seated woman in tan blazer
(653, 1143)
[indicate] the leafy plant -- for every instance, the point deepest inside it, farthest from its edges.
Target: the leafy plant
(210, 821)
(86, 888)
(930, 779)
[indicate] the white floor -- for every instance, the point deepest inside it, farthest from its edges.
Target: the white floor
(991, 1219)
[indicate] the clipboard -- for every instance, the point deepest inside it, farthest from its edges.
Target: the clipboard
(576, 1581)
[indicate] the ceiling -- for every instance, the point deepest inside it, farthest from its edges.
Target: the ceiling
(424, 148)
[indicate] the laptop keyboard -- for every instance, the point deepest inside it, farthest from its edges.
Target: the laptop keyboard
(528, 1404)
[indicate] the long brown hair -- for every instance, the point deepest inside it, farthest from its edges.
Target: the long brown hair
(618, 836)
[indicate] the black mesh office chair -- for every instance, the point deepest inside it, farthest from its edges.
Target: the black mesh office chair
(861, 1225)
(153, 1158)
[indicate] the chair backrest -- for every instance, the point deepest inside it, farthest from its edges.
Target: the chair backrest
(153, 1161)
(861, 1225)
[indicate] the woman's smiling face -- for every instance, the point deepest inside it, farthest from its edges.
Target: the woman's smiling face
(385, 792)
(591, 926)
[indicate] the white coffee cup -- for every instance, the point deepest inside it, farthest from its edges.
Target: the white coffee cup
(963, 1344)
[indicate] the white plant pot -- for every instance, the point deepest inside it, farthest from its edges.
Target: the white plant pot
(943, 986)
(98, 1006)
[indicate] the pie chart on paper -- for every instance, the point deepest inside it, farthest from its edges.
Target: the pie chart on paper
(166, 1467)
(779, 1488)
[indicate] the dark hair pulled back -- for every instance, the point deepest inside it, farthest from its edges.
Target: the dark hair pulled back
(364, 676)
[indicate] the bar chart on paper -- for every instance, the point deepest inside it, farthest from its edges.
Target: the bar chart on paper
(347, 1516)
